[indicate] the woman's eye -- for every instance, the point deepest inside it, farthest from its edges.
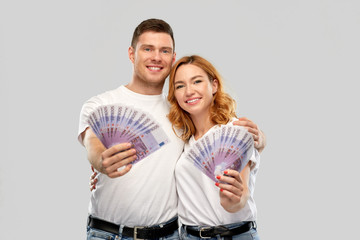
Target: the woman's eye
(197, 81)
(179, 86)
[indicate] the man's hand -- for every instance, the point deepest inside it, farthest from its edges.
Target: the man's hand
(258, 135)
(108, 161)
(116, 157)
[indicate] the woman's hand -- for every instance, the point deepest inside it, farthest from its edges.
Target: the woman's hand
(234, 191)
(93, 179)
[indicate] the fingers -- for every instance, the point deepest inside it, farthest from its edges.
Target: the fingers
(231, 183)
(248, 124)
(261, 142)
(115, 149)
(119, 173)
(116, 157)
(234, 198)
(251, 128)
(93, 184)
(93, 176)
(244, 119)
(118, 160)
(245, 122)
(113, 170)
(93, 180)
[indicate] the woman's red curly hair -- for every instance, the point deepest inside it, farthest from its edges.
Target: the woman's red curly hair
(223, 106)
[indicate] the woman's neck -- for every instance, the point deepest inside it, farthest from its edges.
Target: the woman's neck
(202, 125)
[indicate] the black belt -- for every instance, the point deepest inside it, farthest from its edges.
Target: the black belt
(222, 231)
(135, 232)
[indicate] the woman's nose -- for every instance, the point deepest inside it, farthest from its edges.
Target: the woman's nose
(189, 91)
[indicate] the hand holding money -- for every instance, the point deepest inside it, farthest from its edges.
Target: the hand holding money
(234, 191)
(106, 160)
(128, 154)
(116, 160)
(119, 126)
(222, 147)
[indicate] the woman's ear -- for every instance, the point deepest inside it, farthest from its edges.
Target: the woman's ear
(215, 84)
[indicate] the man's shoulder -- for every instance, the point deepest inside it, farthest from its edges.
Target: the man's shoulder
(111, 92)
(107, 96)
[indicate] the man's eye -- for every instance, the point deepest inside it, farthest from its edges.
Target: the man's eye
(165, 51)
(147, 49)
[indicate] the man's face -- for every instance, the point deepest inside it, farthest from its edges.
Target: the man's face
(152, 58)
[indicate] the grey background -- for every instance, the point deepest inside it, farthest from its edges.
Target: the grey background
(291, 65)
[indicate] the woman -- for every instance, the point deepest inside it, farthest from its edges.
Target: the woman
(221, 210)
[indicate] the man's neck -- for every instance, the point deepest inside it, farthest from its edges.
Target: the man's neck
(145, 89)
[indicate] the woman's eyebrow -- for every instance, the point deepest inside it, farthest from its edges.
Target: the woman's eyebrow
(196, 76)
(178, 81)
(192, 78)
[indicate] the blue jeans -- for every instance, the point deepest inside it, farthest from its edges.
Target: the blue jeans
(252, 234)
(96, 234)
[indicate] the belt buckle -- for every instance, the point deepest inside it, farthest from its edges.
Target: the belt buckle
(135, 232)
(204, 228)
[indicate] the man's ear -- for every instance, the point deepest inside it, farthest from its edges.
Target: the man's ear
(131, 52)
(174, 58)
(215, 84)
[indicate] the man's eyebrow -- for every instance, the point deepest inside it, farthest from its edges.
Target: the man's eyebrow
(147, 45)
(152, 46)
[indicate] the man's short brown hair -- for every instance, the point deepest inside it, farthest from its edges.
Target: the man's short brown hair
(155, 25)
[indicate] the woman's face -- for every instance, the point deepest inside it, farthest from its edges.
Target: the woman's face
(193, 90)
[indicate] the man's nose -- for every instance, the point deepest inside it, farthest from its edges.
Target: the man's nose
(156, 56)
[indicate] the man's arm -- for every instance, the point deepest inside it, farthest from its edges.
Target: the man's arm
(108, 161)
(258, 135)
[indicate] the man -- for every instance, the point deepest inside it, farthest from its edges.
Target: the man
(140, 203)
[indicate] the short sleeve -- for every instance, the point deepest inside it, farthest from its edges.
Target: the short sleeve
(88, 107)
(254, 160)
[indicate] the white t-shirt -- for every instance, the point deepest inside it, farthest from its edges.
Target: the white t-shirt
(199, 200)
(147, 194)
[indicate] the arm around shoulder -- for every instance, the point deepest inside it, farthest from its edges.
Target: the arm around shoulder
(258, 135)
(261, 144)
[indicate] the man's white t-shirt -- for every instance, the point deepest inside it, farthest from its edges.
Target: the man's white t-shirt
(147, 194)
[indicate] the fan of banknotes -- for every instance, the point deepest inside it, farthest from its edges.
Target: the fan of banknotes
(222, 147)
(114, 124)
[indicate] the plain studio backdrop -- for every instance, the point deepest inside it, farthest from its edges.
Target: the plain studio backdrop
(292, 66)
